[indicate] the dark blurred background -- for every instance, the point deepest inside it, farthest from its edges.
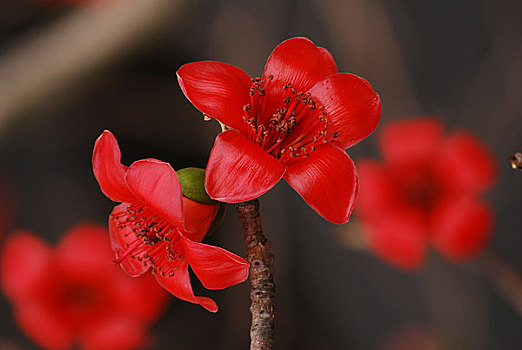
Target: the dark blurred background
(69, 71)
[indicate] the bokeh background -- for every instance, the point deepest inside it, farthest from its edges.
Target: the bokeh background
(68, 71)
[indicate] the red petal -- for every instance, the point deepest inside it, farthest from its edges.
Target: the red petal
(296, 61)
(377, 191)
(84, 253)
(122, 237)
(155, 184)
(399, 240)
(108, 170)
(217, 89)
(215, 267)
(327, 181)
(43, 327)
(179, 285)
(352, 107)
(411, 140)
(461, 228)
(466, 165)
(116, 333)
(299, 62)
(198, 218)
(238, 170)
(25, 265)
(142, 298)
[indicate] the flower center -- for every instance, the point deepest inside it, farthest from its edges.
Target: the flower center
(293, 130)
(77, 295)
(149, 239)
(77, 302)
(421, 191)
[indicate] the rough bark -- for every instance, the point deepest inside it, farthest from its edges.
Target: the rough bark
(261, 262)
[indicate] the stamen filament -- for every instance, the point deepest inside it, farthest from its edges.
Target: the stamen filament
(128, 251)
(278, 141)
(279, 136)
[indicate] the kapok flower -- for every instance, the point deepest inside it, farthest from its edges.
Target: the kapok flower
(294, 123)
(156, 228)
(73, 296)
(426, 191)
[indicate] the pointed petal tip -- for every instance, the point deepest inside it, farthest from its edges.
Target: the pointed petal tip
(108, 170)
(180, 80)
(215, 267)
(342, 219)
(179, 285)
(327, 181)
(106, 132)
(210, 305)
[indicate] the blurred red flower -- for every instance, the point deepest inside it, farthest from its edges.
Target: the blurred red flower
(295, 122)
(426, 191)
(73, 295)
(157, 228)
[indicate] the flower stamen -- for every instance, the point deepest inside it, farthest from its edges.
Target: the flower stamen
(155, 239)
(277, 136)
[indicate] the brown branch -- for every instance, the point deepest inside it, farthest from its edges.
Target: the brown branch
(261, 262)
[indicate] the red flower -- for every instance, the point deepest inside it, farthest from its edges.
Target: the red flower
(425, 191)
(157, 228)
(73, 295)
(293, 123)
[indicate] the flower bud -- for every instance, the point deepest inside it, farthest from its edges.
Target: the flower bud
(193, 188)
(193, 185)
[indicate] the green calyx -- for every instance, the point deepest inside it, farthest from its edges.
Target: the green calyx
(193, 185)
